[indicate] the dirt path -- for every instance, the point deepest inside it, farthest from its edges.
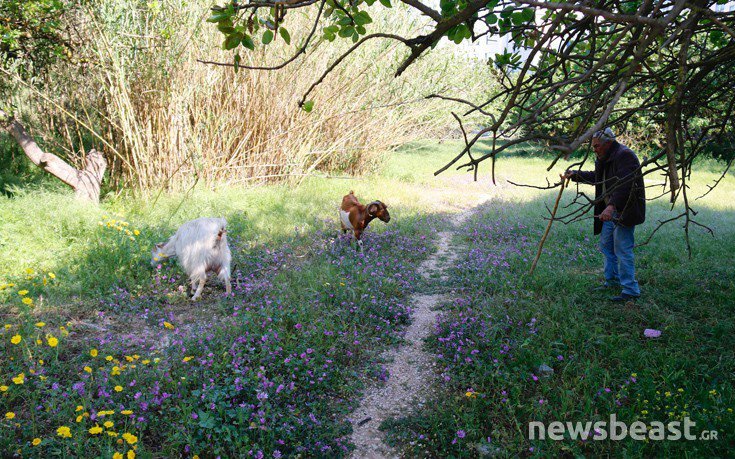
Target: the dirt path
(410, 371)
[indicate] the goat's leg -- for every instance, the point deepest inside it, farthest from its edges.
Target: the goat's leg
(198, 293)
(359, 241)
(193, 285)
(228, 286)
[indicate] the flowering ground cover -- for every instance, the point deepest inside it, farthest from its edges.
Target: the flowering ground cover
(271, 371)
(103, 355)
(513, 349)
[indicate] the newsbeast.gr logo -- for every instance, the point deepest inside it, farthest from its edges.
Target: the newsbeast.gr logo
(616, 430)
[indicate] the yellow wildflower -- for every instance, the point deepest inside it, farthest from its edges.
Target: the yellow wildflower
(27, 301)
(52, 275)
(130, 438)
(186, 359)
(9, 415)
(168, 325)
(118, 388)
(40, 324)
(20, 379)
(29, 271)
(79, 408)
(95, 430)
(117, 456)
(63, 432)
(131, 454)
(93, 352)
(39, 342)
(16, 339)
(88, 369)
(79, 418)
(52, 341)
(4, 388)
(136, 232)
(112, 434)
(115, 370)
(126, 412)
(36, 441)
(108, 424)
(22, 292)
(146, 362)
(108, 358)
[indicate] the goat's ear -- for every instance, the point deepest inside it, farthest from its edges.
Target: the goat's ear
(159, 245)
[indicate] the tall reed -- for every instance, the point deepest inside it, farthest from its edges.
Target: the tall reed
(172, 121)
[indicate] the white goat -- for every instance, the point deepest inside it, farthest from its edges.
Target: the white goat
(201, 246)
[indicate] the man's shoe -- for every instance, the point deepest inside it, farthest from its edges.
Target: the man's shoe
(624, 298)
(604, 286)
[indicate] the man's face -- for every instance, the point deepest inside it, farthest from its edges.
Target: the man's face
(600, 148)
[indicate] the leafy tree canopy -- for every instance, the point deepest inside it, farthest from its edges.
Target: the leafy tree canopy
(33, 34)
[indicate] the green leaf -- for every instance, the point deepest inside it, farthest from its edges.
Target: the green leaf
(461, 32)
(237, 63)
(232, 41)
(284, 34)
(386, 3)
(308, 106)
(362, 18)
(247, 42)
(447, 6)
(528, 14)
(267, 37)
(361, 30)
(346, 31)
(218, 16)
(517, 19)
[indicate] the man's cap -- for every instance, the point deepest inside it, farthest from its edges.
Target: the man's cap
(604, 134)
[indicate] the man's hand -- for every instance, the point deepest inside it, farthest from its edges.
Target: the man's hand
(607, 214)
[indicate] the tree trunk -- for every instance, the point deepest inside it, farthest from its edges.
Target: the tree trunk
(85, 182)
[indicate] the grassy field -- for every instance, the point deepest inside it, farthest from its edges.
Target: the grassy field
(103, 354)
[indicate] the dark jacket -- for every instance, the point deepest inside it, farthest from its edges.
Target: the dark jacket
(623, 185)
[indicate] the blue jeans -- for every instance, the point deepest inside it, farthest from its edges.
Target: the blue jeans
(616, 243)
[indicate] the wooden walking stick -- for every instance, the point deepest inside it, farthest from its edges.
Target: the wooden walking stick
(564, 182)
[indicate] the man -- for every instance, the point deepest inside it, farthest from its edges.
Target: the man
(620, 204)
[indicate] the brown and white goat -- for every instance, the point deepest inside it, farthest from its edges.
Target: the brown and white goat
(355, 217)
(201, 247)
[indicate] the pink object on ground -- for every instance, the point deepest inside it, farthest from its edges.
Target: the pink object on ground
(651, 333)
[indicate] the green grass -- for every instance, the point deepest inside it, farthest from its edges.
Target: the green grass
(312, 312)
